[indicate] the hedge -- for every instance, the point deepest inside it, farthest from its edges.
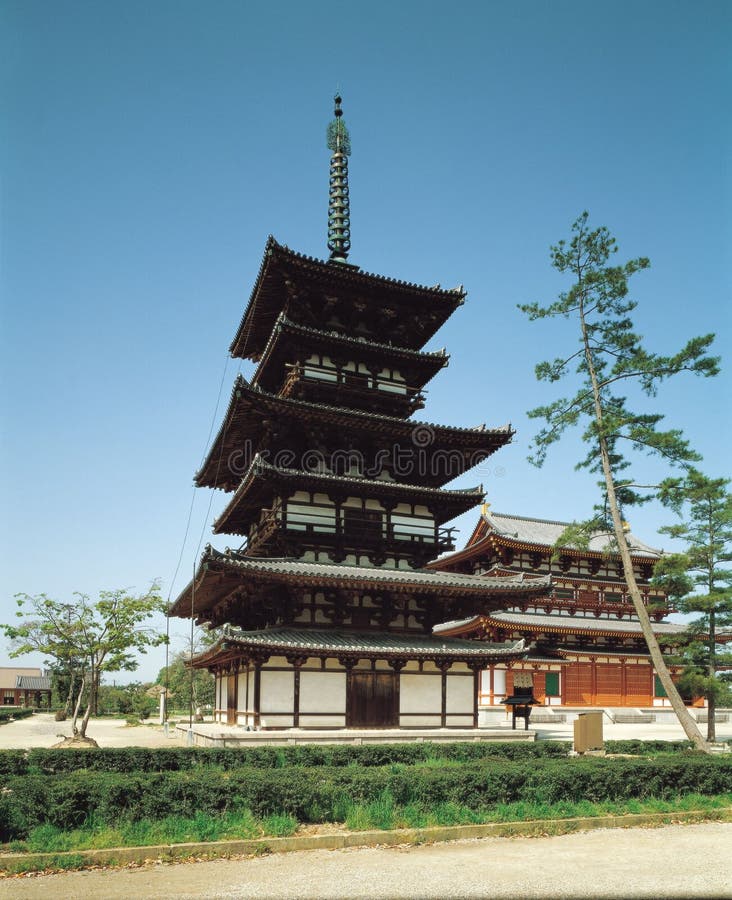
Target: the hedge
(320, 794)
(8, 713)
(175, 759)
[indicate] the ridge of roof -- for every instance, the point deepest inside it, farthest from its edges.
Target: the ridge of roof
(635, 544)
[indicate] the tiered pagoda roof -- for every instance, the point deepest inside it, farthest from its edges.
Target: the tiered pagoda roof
(355, 645)
(250, 409)
(287, 278)
(220, 573)
(263, 480)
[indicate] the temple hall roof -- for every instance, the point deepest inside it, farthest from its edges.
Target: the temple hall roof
(546, 532)
(556, 622)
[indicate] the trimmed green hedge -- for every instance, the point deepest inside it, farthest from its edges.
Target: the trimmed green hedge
(320, 794)
(175, 759)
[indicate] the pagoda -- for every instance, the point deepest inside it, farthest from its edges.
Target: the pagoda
(340, 499)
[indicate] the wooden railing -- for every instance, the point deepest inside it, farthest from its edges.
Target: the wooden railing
(357, 383)
(358, 531)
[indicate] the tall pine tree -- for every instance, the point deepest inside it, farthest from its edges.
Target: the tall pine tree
(611, 357)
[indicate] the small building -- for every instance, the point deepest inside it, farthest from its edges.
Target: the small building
(586, 644)
(25, 686)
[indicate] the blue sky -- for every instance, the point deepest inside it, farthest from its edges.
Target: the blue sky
(150, 148)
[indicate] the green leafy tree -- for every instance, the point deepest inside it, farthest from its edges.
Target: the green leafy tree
(611, 357)
(105, 635)
(185, 687)
(699, 579)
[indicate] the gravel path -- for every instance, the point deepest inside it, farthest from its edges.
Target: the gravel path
(675, 861)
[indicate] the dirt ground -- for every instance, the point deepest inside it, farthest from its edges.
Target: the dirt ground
(682, 861)
(41, 730)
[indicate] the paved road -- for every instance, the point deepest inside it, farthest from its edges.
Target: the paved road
(681, 861)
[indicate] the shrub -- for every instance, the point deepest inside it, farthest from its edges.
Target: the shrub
(327, 793)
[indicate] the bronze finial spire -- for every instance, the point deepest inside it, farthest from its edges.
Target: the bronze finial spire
(339, 216)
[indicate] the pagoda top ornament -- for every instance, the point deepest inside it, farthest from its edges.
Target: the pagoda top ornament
(339, 216)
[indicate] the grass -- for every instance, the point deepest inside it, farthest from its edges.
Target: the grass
(379, 814)
(382, 814)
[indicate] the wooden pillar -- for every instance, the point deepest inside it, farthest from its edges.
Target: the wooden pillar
(257, 692)
(297, 662)
(593, 682)
(296, 699)
(492, 686)
(476, 668)
(397, 665)
(443, 667)
(623, 684)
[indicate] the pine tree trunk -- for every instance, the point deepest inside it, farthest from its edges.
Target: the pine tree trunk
(685, 720)
(711, 693)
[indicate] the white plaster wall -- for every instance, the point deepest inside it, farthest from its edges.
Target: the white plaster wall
(312, 721)
(460, 694)
(464, 721)
(499, 681)
(420, 693)
(421, 721)
(276, 721)
(322, 692)
(241, 694)
(277, 692)
(224, 692)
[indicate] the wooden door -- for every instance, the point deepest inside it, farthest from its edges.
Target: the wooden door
(231, 700)
(639, 685)
(609, 691)
(372, 700)
(578, 685)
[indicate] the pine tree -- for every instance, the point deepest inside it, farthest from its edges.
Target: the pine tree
(611, 356)
(698, 579)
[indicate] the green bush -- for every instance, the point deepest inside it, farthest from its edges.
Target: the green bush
(323, 793)
(174, 759)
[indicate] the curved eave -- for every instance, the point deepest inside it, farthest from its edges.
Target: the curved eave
(241, 424)
(264, 478)
(493, 540)
(219, 574)
(263, 308)
(552, 625)
(353, 645)
(427, 364)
